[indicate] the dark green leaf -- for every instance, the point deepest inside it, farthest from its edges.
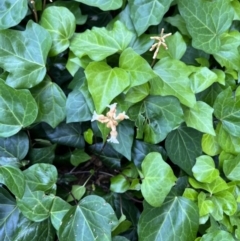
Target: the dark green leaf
(119, 238)
(29, 68)
(51, 102)
(147, 12)
(183, 145)
(212, 18)
(156, 172)
(14, 179)
(15, 146)
(18, 110)
(12, 12)
(61, 24)
(175, 220)
(92, 218)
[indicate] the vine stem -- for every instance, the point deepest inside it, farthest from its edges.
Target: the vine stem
(34, 10)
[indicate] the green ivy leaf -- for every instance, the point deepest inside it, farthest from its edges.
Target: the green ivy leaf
(217, 235)
(58, 210)
(227, 110)
(79, 156)
(228, 54)
(204, 169)
(14, 179)
(103, 4)
(202, 79)
(92, 218)
(200, 117)
(12, 12)
(16, 146)
(36, 205)
(137, 93)
(18, 110)
(100, 43)
(173, 81)
(231, 168)
(188, 143)
(210, 145)
(119, 184)
(41, 177)
(51, 102)
(156, 172)
(105, 83)
(9, 215)
(137, 67)
(77, 192)
(119, 238)
(163, 114)
(213, 18)
(176, 47)
(154, 222)
(29, 68)
(147, 12)
(61, 24)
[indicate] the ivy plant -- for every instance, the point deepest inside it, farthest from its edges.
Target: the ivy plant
(119, 120)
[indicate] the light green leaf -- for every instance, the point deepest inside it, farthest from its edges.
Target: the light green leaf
(41, 177)
(77, 192)
(200, 117)
(100, 43)
(103, 4)
(18, 109)
(79, 156)
(105, 83)
(147, 12)
(137, 67)
(58, 210)
(202, 79)
(214, 187)
(228, 55)
(176, 47)
(205, 206)
(206, 21)
(91, 219)
(183, 146)
(204, 169)
(231, 168)
(26, 68)
(227, 110)
(119, 184)
(61, 24)
(14, 179)
(163, 223)
(228, 142)
(163, 114)
(36, 205)
(12, 12)
(156, 172)
(137, 93)
(190, 193)
(218, 235)
(51, 102)
(16, 146)
(173, 81)
(210, 145)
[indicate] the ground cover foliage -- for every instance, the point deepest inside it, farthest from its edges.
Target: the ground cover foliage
(103, 139)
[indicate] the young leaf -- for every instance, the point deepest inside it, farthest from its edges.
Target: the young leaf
(147, 12)
(204, 169)
(26, 68)
(61, 24)
(92, 218)
(227, 109)
(105, 83)
(213, 18)
(173, 81)
(210, 145)
(200, 117)
(217, 235)
(158, 179)
(12, 12)
(154, 223)
(100, 43)
(79, 156)
(137, 67)
(103, 4)
(18, 110)
(14, 179)
(188, 143)
(51, 102)
(231, 168)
